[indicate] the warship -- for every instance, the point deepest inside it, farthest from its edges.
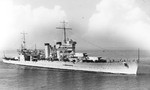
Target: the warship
(63, 55)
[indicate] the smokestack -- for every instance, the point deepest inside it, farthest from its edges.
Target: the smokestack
(73, 46)
(47, 50)
(58, 44)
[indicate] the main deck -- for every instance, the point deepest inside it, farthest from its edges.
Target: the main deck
(113, 67)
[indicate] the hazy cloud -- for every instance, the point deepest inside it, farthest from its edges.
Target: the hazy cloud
(25, 16)
(122, 19)
(17, 18)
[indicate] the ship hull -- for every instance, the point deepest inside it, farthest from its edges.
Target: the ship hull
(113, 67)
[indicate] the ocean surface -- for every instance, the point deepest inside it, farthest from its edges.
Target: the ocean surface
(15, 77)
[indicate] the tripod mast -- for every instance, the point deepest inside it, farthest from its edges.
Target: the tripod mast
(24, 40)
(64, 28)
(138, 55)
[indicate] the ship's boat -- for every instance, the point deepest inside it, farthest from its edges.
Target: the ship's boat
(63, 55)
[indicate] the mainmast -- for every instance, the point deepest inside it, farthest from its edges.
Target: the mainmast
(138, 55)
(24, 40)
(64, 28)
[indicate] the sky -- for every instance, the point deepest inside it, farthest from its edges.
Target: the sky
(96, 24)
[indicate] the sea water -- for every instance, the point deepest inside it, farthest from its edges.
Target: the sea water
(15, 77)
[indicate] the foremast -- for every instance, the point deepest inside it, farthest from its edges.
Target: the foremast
(64, 29)
(24, 41)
